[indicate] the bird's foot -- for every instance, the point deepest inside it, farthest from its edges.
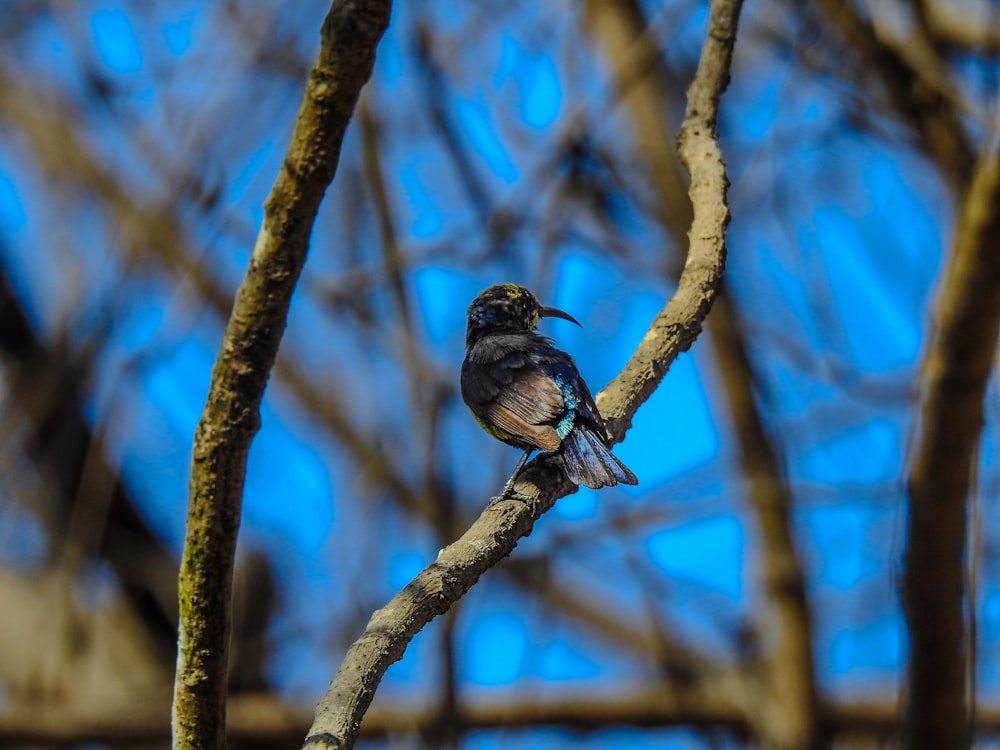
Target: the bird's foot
(508, 489)
(509, 493)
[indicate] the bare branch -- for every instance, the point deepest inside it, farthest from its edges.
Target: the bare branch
(47, 387)
(262, 720)
(925, 103)
(965, 24)
(955, 370)
(494, 535)
(231, 417)
(787, 716)
(632, 51)
(784, 714)
(678, 324)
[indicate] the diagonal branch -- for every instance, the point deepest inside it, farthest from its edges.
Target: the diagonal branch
(676, 326)
(955, 371)
(495, 534)
(785, 698)
(349, 36)
(633, 53)
(921, 98)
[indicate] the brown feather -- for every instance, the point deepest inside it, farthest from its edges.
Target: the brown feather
(527, 406)
(542, 436)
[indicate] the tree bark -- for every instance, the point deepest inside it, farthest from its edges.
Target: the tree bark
(954, 376)
(349, 36)
(495, 534)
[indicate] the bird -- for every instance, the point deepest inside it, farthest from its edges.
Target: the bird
(526, 392)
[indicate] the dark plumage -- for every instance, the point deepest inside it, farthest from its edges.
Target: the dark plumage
(526, 392)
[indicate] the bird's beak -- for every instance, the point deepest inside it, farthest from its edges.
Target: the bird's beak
(554, 312)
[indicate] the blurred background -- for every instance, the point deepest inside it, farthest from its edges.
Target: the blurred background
(496, 141)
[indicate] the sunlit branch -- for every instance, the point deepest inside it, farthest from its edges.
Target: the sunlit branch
(231, 418)
(494, 535)
(785, 706)
(677, 325)
(966, 24)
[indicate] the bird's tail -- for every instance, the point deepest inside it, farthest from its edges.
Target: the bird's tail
(588, 461)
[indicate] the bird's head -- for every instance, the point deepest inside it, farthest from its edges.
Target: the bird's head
(507, 308)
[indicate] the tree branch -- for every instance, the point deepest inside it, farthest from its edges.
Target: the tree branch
(955, 370)
(263, 721)
(676, 326)
(786, 710)
(47, 386)
(494, 535)
(349, 36)
(633, 54)
(918, 97)
(785, 696)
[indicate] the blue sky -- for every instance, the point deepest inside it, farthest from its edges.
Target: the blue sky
(833, 277)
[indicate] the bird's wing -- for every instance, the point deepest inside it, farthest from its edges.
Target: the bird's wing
(528, 407)
(506, 387)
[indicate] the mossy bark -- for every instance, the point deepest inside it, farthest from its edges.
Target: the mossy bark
(230, 420)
